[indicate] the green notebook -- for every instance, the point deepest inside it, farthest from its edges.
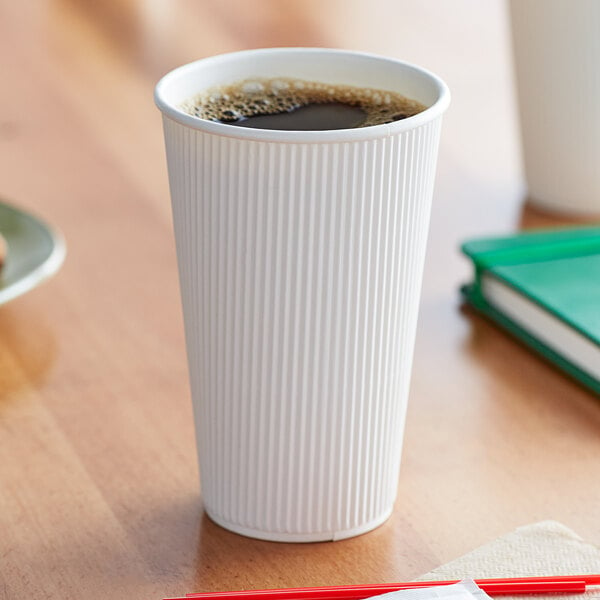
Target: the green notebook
(544, 288)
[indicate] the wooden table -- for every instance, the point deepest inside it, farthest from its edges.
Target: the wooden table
(98, 481)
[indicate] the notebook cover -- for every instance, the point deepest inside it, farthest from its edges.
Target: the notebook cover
(532, 264)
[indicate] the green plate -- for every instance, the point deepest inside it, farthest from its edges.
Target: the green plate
(35, 252)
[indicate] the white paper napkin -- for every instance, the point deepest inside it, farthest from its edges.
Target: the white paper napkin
(465, 590)
(546, 548)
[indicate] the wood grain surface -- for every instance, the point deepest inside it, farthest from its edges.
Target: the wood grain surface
(99, 494)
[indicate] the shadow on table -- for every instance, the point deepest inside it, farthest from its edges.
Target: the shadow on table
(532, 217)
(228, 561)
(27, 350)
(520, 370)
(181, 550)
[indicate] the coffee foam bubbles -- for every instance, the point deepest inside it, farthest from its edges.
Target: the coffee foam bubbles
(253, 97)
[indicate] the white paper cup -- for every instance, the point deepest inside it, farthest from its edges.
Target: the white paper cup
(557, 54)
(300, 259)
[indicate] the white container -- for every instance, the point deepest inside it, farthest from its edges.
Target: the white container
(557, 60)
(300, 258)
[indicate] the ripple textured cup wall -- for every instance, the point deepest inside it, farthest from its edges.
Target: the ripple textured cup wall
(300, 257)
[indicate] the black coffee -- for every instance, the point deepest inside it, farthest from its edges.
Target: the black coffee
(296, 105)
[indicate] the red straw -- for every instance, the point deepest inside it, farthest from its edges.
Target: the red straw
(519, 585)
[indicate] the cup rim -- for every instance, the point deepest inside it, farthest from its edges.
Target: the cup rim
(276, 135)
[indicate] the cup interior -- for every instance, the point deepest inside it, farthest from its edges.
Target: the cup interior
(313, 64)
